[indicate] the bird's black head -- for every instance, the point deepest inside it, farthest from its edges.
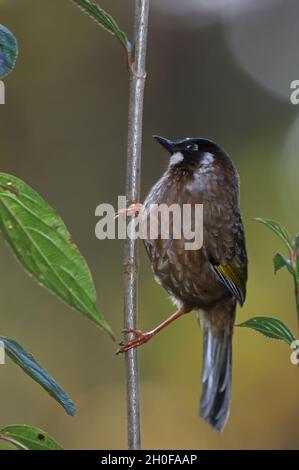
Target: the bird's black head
(191, 150)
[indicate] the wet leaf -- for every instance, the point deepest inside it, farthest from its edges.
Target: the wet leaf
(278, 229)
(27, 362)
(43, 245)
(270, 327)
(105, 20)
(29, 437)
(280, 262)
(8, 51)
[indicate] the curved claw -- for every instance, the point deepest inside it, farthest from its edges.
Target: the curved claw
(140, 339)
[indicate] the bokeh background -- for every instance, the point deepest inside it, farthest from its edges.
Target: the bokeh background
(219, 69)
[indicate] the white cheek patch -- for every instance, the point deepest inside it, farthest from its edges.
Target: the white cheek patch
(207, 158)
(176, 158)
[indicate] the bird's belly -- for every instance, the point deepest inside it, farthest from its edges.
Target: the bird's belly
(185, 274)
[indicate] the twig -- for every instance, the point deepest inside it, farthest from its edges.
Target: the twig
(137, 83)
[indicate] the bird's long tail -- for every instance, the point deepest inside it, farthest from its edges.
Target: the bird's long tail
(216, 374)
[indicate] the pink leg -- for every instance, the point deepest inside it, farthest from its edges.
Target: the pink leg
(132, 210)
(141, 338)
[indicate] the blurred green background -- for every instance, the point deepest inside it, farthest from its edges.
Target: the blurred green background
(216, 69)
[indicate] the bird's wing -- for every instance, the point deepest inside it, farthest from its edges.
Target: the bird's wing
(226, 251)
(223, 240)
(234, 278)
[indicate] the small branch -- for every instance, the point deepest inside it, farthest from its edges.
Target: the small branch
(129, 57)
(137, 82)
(296, 282)
(295, 272)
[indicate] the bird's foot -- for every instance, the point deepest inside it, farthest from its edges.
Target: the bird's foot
(139, 339)
(133, 210)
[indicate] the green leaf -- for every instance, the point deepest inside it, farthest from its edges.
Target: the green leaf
(278, 229)
(7, 443)
(41, 242)
(296, 241)
(105, 20)
(270, 327)
(280, 262)
(295, 256)
(27, 362)
(29, 437)
(8, 51)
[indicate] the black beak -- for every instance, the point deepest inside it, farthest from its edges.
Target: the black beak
(166, 143)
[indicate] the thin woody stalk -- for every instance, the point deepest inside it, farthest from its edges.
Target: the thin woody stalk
(297, 301)
(296, 285)
(137, 83)
(295, 273)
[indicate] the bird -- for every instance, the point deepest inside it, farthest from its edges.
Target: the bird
(210, 280)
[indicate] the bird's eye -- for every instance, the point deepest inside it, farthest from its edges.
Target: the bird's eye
(192, 147)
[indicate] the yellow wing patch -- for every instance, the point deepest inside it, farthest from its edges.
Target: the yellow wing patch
(234, 278)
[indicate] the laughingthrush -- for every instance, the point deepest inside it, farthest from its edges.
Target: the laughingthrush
(212, 279)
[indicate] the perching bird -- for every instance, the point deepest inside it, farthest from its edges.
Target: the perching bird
(212, 279)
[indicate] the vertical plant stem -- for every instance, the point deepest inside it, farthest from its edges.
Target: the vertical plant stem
(137, 83)
(295, 264)
(297, 297)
